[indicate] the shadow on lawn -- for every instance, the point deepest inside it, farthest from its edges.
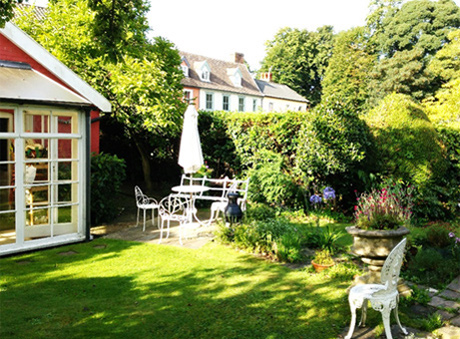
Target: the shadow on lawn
(230, 296)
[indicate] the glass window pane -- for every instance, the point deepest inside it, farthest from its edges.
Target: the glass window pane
(64, 193)
(36, 122)
(6, 120)
(7, 228)
(67, 149)
(37, 216)
(36, 149)
(7, 196)
(64, 215)
(65, 171)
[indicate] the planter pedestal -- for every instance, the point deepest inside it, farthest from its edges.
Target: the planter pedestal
(373, 247)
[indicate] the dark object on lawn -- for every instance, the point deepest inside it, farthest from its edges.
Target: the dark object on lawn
(233, 212)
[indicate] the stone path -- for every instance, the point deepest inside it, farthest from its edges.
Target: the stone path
(448, 304)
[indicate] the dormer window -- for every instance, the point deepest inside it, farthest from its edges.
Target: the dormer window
(185, 66)
(204, 71)
(235, 76)
(205, 75)
(184, 70)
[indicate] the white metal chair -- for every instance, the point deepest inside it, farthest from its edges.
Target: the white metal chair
(383, 297)
(145, 203)
(176, 208)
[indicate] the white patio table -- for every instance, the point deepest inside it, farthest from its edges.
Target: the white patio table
(192, 190)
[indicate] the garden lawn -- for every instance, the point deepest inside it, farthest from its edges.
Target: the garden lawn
(120, 289)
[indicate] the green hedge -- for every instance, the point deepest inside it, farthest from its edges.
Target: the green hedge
(107, 174)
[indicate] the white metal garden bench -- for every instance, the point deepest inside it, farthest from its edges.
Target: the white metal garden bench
(383, 297)
(217, 192)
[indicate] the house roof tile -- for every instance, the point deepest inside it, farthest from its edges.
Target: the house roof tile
(219, 79)
(279, 91)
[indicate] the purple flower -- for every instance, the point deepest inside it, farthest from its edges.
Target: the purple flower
(315, 199)
(329, 193)
(451, 234)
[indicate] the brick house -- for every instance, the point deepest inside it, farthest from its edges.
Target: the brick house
(213, 84)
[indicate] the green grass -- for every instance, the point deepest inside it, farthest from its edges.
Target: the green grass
(120, 289)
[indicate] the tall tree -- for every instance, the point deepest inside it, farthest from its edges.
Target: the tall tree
(6, 10)
(446, 62)
(298, 58)
(140, 78)
(347, 76)
(408, 36)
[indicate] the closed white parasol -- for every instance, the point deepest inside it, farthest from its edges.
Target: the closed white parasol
(190, 154)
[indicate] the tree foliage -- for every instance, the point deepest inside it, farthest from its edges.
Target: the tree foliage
(140, 78)
(446, 62)
(347, 75)
(298, 58)
(407, 36)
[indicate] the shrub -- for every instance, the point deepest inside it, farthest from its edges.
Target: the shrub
(273, 237)
(288, 247)
(332, 149)
(107, 174)
(407, 144)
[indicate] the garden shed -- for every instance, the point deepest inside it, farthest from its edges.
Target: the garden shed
(46, 138)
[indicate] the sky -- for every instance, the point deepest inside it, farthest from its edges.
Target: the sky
(219, 28)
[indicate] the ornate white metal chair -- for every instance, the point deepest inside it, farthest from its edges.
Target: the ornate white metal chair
(383, 297)
(145, 203)
(176, 208)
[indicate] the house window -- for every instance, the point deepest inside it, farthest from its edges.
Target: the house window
(187, 96)
(205, 75)
(209, 101)
(185, 70)
(241, 104)
(254, 105)
(270, 107)
(226, 103)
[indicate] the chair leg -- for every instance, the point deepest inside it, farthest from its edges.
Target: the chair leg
(137, 223)
(352, 322)
(143, 230)
(161, 231)
(386, 311)
(362, 322)
(153, 217)
(397, 318)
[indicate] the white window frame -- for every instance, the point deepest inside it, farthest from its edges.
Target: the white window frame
(241, 104)
(209, 104)
(58, 234)
(226, 96)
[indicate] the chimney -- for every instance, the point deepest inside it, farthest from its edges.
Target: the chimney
(267, 76)
(238, 58)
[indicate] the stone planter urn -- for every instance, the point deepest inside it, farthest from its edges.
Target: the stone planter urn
(373, 247)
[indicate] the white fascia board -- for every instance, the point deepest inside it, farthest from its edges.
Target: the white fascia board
(52, 64)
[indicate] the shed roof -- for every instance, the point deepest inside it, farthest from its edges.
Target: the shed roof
(279, 91)
(52, 64)
(19, 82)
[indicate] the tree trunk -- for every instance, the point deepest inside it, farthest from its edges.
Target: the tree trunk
(145, 164)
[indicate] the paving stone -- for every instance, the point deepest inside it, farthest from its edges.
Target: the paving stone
(449, 294)
(455, 285)
(445, 315)
(455, 321)
(449, 332)
(439, 302)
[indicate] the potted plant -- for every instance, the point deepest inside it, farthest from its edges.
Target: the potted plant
(322, 260)
(381, 217)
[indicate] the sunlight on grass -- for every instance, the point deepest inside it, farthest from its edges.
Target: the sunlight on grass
(127, 289)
